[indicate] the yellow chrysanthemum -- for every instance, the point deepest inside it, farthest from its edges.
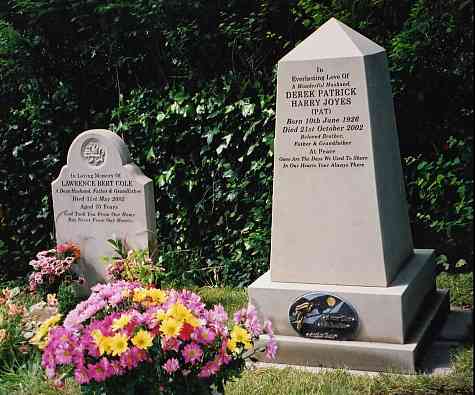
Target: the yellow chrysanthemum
(97, 335)
(103, 343)
(143, 339)
(52, 320)
(178, 312)
(171, 327)
(42, 344)
(182, 314)
(160, 315)
(43, 331)
(40, 333)
(241, 335)
(118, 344)
(232, 345)
(192, 320)
(121, 322)
(157, 295)
(139, 295)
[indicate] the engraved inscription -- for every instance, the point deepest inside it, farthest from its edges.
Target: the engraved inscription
(324, 123)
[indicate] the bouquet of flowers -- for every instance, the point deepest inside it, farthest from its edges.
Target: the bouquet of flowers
(53, 267)
(132, 264)
(128, 338)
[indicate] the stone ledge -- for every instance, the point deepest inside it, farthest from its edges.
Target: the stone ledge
(386, 314)
(367, 356)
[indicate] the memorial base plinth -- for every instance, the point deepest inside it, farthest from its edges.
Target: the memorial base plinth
(385, 313)
(362, 355)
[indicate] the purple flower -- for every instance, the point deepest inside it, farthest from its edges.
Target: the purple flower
(217, 314)
(50, 372)
(204, 335)
(132, 357)
(192, 353)
(172, 365)
(245, 314)
(63, 354)
(239, 316)
(47, 360)
(171, 344)
(81, 375)
(210, 369)
(268, 328)
(100, 371)
(253, 325)
(102, 295)
(271, 348)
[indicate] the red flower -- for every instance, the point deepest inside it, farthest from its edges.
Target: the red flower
(185, 332)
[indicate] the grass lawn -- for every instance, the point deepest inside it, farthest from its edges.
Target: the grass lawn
(28, 378)
(460, 286)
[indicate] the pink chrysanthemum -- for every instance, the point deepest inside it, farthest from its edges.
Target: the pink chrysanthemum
(253, 325)
(204, 336)
(268, 327)
(171, 344)
(81, 375)
(100, 371)
(210, 369)
(63, 354)
(171, 366)
(271, 348)
(192, 353)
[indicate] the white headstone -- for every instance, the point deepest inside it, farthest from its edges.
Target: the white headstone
(100, 195)
(345, 288)
(339, 211)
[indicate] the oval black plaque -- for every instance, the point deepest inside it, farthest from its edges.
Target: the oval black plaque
(323, 316)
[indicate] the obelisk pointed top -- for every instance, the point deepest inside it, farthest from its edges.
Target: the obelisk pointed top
(333, 39)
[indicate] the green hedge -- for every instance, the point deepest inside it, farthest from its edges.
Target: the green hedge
(190, 86)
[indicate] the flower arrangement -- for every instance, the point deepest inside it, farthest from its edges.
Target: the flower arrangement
(126, 337)
(53, 267)
(132, 264)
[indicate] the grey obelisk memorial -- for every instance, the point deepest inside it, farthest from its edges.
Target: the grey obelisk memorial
(346, 287)
(99, 195)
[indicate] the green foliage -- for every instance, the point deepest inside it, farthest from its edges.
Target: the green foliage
(440, 193)
(68, 297)
(231, 299)
(31, 153)
(431, 60)
(13, 300)
(460, 286)
(13, 339)
(211, 153)
(27, 378)
(190, 86)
